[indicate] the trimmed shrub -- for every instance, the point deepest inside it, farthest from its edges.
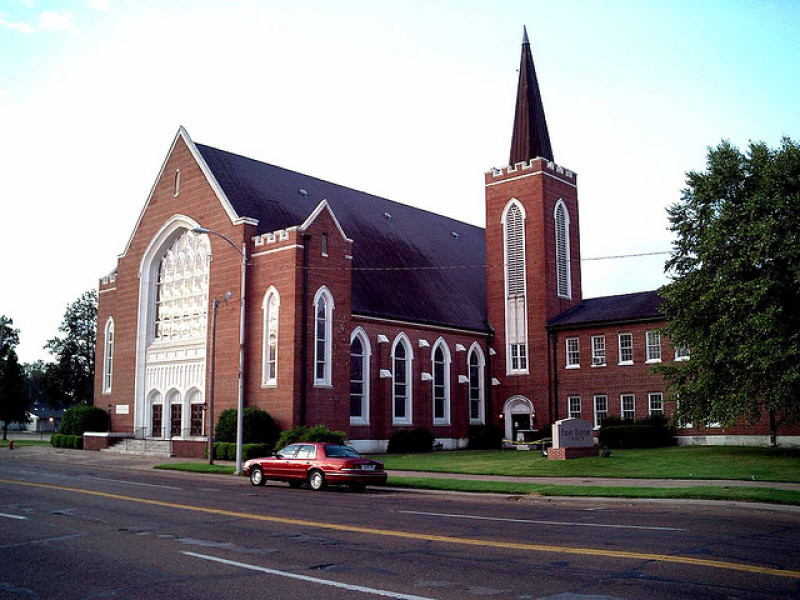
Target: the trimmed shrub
(258, 427)
(59, 440)
(79, 419)
(650, 432)
(407, 441)
(485, 437)
(253, 451)
(304, 433)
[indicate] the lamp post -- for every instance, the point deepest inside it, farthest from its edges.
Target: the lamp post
(240, 403)
(211, 368)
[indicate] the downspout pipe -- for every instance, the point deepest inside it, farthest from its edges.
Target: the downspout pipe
(304, 335)
(487, 377)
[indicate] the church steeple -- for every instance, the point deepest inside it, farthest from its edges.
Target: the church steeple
(529, 138)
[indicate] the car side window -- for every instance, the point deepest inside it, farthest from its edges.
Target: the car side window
(289, 451)
(306, 451)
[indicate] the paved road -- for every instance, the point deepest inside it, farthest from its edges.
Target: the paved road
(75, 525)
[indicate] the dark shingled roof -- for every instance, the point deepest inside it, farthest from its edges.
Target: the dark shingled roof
(639, 306)
(433, 276)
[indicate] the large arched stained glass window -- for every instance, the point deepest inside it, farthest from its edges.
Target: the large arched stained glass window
(563, 279)
(269, 351)
(516, 317)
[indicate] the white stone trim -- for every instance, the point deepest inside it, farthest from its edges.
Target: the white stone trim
(366, 349)
(531, 175)
(316, 212)
(274, 250)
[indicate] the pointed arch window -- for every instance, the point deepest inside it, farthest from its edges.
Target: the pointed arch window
(516, 313)
(108, 356)
(323, 333)
(475, 364)
(441, 383)
(269, 351)
(359, 378)
(563, 275)
(402, 358)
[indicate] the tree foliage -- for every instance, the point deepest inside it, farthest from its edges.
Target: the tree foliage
(72, 382)
(9, 337)
(734, 298)
(14, 399)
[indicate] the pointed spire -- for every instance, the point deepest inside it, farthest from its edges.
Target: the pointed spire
(529, 138)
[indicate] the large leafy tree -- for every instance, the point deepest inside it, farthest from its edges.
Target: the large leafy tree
(13, 393)
(734, 298)
(9, 337)
(72, 380)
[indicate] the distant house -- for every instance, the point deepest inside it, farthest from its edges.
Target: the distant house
(43, 419)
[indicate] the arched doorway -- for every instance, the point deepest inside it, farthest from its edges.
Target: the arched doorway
(518, 414)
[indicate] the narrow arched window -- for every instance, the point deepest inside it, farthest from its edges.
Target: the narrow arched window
(359, 378)
(401, 381)
(475, 364)
(108, 356)
(516, 315)
(323, 331)
(176, 188)
(563, 279)
(269, 350)
(441, 384)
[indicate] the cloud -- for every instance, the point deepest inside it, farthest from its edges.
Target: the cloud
(100, 5)
(51, 20)
(17, 26)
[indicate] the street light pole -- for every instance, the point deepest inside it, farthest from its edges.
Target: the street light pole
(211, 368)
(240, 402)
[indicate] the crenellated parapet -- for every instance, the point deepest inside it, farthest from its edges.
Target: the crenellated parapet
(535, 165)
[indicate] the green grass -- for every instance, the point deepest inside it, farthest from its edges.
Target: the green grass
(682, 462)
(194, 467)
(27, 443)
(741, 494)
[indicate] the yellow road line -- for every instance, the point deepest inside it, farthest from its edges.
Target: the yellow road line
(665, 558)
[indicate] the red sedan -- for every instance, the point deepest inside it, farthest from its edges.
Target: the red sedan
(318, 464)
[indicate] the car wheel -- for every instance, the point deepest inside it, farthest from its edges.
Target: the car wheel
(358, 487)
(295, 484)
(316, 480)
(257, 476)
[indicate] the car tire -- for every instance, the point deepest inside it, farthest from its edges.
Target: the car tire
(257, 476)
(358, 487)
(316, 480)
(295, 484)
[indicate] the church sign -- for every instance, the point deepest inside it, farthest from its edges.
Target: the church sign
(572, 438)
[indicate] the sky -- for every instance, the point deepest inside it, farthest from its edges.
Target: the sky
(412, 101)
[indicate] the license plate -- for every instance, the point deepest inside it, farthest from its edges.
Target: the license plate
(368, 467)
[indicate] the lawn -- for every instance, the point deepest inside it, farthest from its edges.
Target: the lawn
(682, 462)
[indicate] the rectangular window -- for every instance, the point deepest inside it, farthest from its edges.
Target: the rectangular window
(574, 407)
(628, 406)
(626, 348)
(175, 419)
(197, 419)
(519, 358)
(655, 402)
(682, 353)
(157, 421)
(598, 351)
(573, 354)
(653, 347)
(600, 410)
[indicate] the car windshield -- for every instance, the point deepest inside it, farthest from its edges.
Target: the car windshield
(341, 451)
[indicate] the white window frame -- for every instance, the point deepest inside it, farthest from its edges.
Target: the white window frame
(652, 347)
(682, 353)
(565, 265)
(327, 360)
(598, 359)
(266, 356)
(630, 348)
(402, 338)
(108, 356)
(475, 350)
(598, 421)
(572, 401)
(516, 349)
(176, 186)
(631, 410)
(650, 398)
(445, 385)
(366, 355)
(573, 355)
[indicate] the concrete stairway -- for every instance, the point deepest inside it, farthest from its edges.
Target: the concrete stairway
(141, 447)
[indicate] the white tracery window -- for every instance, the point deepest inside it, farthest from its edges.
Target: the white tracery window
(182, 289)
(401, 381)
(269, 351)
(359, 378)
(516, 317)
(108, 356)
(323, 333)
(441, 383)
(475, 362)
(563, 279)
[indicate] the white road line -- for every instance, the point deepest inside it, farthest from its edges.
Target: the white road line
(154, 485)
(328, 582)
(18, 517)
(559, 523)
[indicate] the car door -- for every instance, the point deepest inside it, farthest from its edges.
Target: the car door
(301, 463)
(281, 465)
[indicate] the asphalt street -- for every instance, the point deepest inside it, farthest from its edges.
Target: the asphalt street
(73, 525)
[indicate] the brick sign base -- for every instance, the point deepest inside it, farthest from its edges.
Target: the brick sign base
(567, 453)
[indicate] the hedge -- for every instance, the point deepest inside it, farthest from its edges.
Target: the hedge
(485, 437)
(227, 451)
(258, 427)
(304, 433)
(79, 419)
(650, 432)
(60, 440)
(408, 441)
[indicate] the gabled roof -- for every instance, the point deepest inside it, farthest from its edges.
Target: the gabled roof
(639, 306)
(408, 264)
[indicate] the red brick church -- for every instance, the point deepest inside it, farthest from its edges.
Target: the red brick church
(370, 316)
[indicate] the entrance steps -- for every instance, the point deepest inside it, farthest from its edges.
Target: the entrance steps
(141, 447)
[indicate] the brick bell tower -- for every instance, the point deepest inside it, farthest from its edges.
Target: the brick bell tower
(533, 258)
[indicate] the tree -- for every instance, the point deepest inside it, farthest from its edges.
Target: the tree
(734, 298)
(74, 352)
(13, 395)
(9, 337)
